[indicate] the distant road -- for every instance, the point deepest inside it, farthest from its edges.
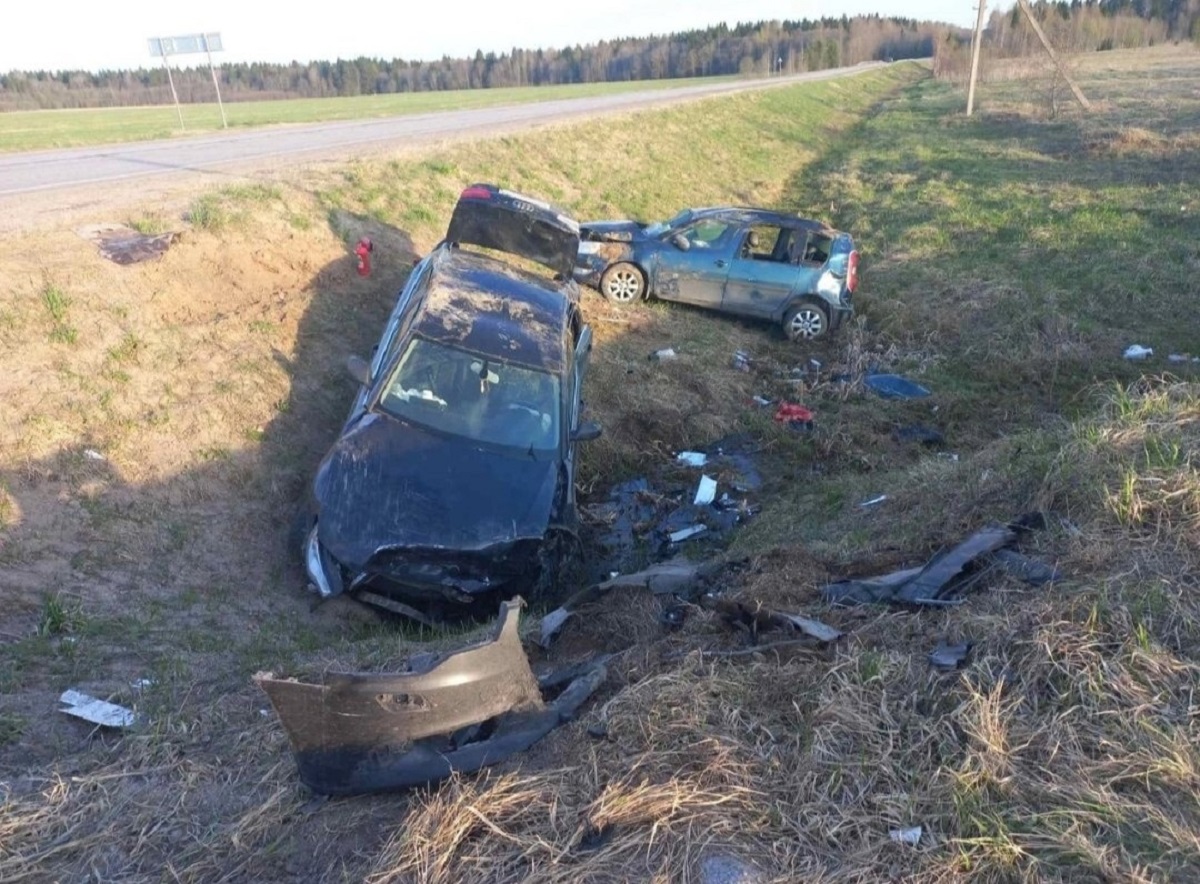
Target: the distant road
(25, 173)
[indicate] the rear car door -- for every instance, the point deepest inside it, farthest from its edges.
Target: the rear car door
(760, 276)
(696, 275)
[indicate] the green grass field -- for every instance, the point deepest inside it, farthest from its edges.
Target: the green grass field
(1007, 261)
(40, 130)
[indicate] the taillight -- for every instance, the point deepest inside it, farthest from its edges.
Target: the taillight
(475, 193)
(852, 271)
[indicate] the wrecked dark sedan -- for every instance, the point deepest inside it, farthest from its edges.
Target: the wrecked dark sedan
(452, 482)
(767, 265)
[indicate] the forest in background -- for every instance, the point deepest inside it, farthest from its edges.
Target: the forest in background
(757, 48)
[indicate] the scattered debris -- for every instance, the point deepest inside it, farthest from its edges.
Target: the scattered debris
(706, 492)
(365, 732)
(755, 620)
(741, 360)
(948, 657)
(796, 416)
(1136, 352)
(760, 401)
(691, 458)
(673, 617)
(949, 573)
(677, 577)
(721, 868)
(874, 501)
(96, 711)
(918, 433)
(909, 836)
(664, 355)
(93, 454)
(687, 533)
(124, 245)
(948, 455)
(1182, 357)
(894, 386)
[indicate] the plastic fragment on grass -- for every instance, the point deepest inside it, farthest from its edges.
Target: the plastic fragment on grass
(687, 533)
(1136, 352)
(691, 458)
(664, 355)
(706, 492)
(874, 501)
(950, 657)
(894, 386)
(100, 712)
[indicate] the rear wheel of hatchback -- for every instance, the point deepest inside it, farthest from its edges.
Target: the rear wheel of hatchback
(806, 321)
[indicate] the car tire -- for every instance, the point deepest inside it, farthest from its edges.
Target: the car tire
(623, 283)
(807, 321)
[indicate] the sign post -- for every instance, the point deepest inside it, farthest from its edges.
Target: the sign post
(161, 47)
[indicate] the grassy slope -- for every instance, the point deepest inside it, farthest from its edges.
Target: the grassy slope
(994, 268)
(39, 130)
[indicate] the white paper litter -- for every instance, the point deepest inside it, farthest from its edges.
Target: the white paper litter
(93, 454)
(88, 708)
(908, 836)
(706, 492)
(692, 458)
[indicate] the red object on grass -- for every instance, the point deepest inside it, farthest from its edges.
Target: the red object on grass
(363, 250)
(790, 412)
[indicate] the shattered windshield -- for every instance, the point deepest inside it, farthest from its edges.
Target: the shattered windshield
(475, 397)
(658, 228)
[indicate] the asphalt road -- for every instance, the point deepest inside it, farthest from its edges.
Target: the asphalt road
(52, 187)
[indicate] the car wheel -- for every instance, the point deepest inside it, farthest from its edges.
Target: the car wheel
(623, 283)
(806, 322)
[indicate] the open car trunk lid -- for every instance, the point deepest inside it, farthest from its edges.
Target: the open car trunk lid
(493, 218)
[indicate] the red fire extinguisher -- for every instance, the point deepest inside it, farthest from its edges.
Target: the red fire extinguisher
(363, 250)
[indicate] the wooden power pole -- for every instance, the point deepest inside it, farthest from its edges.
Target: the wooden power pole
(1037, 29)
(976, 43)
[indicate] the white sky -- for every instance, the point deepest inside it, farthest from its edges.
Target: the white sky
(92, 34)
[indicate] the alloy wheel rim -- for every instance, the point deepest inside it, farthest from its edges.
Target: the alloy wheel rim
(807, 324)
(623, 286)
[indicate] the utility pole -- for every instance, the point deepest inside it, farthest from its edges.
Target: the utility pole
(1062, 71)
(976, 45)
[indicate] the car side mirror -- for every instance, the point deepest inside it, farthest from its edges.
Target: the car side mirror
(681, 242)
(586, 432)
(359, 370)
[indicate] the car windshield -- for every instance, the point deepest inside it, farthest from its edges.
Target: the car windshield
(475, 397)
(658, 228)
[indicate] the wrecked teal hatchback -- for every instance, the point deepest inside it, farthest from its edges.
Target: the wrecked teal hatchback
(798, 273)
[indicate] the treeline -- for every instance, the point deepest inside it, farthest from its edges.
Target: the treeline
(755, 48)
(1076, 26)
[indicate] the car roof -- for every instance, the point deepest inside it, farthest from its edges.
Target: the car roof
(747, 215)
(492, 308)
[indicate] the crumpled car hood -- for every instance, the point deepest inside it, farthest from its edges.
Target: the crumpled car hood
(611, 231)
(389, 484)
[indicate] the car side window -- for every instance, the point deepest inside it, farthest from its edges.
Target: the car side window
(390, 341)
(809, 247)
(761, 243)
(705, 234)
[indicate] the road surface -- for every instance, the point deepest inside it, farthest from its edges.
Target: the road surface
(36, 183)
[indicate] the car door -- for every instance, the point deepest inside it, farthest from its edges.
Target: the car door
(695, 273)
(760, 276)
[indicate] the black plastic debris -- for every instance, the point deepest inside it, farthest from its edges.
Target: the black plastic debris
(949, 574)
(894, 386)
(950, 657)
(123, 245)
(673, 617)
(757, 619)
(918, 433)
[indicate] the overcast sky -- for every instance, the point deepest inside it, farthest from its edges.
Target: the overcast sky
(92, 34)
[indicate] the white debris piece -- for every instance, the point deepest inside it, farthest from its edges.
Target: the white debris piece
(88, 708)
(909, 836)
(692, 458)
(93, 454)
(1136, 352)
(684, 533)
(706, 492)
(874, 501)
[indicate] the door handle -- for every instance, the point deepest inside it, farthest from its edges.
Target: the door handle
(720, 262)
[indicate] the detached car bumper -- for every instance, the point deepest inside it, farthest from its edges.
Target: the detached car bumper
(362, 732)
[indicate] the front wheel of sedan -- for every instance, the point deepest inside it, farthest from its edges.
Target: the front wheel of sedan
(623, 283)
(806, 322)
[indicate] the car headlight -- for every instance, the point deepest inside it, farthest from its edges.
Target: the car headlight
(589, 248)
(318, 564)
